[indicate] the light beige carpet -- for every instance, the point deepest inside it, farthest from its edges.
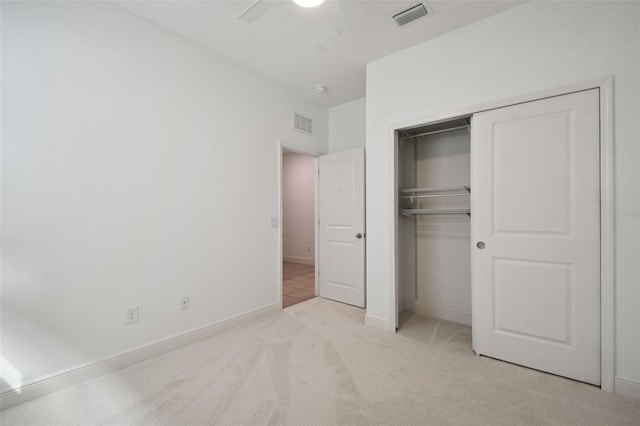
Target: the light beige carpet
(315, 363)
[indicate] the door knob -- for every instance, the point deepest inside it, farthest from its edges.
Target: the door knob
(480, 245)
(358, 235)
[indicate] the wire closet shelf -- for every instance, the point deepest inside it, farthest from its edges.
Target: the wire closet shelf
(415, 194)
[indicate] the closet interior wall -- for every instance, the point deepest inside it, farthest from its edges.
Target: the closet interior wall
(434, 252)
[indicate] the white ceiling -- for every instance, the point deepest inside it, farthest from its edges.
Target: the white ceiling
(298, 48)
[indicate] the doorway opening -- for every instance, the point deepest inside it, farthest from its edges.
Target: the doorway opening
(299, 171)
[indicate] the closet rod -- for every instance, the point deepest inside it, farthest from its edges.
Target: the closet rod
(462, 194)
(411, 212)
(433, 132)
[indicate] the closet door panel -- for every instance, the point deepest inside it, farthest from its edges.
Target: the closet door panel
(536, 235)
(545, 151)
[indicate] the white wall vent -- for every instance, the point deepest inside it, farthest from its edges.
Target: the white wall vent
(411, 14)
(302, 124)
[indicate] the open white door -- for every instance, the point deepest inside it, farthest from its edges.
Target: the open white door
(342, 233)
(536, 235)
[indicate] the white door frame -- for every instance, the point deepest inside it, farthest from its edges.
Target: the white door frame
(607, 271)
(312, 153)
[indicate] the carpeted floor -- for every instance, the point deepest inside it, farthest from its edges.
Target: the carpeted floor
(315, 363)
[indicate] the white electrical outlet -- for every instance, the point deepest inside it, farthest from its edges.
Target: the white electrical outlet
(132, 314)
(184, 302)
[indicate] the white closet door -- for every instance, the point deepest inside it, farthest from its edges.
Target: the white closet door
(342, 227)
(536, 213)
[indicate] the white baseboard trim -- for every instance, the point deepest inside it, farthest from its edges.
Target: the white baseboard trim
(381, 323)
(443, 314)
(57, 381)
(627, 387)
(302, 260)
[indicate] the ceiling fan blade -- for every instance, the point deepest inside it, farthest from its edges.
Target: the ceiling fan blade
(254, 11)
(337, 17)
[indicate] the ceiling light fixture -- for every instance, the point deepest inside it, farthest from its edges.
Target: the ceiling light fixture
(321, 88)
(308, 3)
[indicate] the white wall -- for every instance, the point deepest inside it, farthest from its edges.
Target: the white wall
(298, 206)
(347, 126)
(136, 168)
(530, 48)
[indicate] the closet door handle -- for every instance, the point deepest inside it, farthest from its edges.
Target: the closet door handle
(358, 235)
(480, 245)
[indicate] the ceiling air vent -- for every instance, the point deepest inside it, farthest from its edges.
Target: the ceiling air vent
(302, 124)
(411, 14)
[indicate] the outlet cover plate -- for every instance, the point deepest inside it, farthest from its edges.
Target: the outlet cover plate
(184, 302)
(132, 314)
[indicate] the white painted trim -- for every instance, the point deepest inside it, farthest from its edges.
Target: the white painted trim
(607, 239)
(626, 387)
(280, 244)
(443, 314)
(299, 150)
(82, 373)
(377, 322)
(607, 252)
(316, 233)
(394, 298)
(301, 260)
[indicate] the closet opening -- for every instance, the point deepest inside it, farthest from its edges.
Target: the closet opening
(433, 221)
(504, 222)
